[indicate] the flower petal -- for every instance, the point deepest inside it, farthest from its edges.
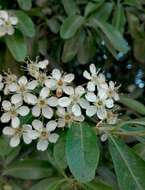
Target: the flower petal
(91, 110)
(6, 105)
(91, 86)
(22, 80)
(42, 145)
(101, 113)
(79, 90)
(52, 101)
(30, 98)
(64, 102)
(37, 124)
(91, 97)
(56, 74)
(76, 110)
(16, 98)
(15, 122)
(5, 117)
(84, 103)
(15, 141)
(109, 103)
(93, 69)
(44, 92)
(51, 84)
(32, 85)
(8, 131)
(87, 75)
(36, 111)
(53, 137)
(23, 110)
(69, 90)
(69, 78)
(47, 112)
(51, 125)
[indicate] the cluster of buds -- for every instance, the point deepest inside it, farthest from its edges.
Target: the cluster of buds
(38, 106)
(7, 23)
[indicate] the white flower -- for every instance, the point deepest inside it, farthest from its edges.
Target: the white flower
(111, 91)
(66, 117)
(75, 100)
(59, 82)
(12, 112)
(44, 134)
(100, 105)
(95, 79)
(16, 133)
(43, 64)
(43, 103)
(1, 83)
(7, 23)
(22, 90)
(111, 118)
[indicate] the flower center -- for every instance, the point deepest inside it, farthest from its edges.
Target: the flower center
(18, 131)
(44, 134)
(68, 117)
(13, 112)
(60, 82)
(99, 103)
(42, 102)
(22, 88)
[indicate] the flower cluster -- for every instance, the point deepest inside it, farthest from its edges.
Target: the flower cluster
(37, 107)
(7, 23)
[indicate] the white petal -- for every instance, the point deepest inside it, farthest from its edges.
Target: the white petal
(84, 103)
(76, 110)
(36, 111)
(44, 92)
(92, 69)
(87, 75)
(37, 124)
(64, 102)
(91, 86)
(5, 117)
(91, 97)
(109, 103)
(30, 98)
(13, 20)
(15, 141)
(60, 112)
(51, 125)
(53, 137)
(33, 134)
(26, 138)
(101, 113)
(8, 131)
(52, 101)
(69, 78)
(79, 90)
(15, 122)
(56, 74)
(61, 123)
(32, 85)
(12, 87)
(79, 118)
(42, 145)
(16, 98)
(23, 80)
(43, 64)
(6, 105)
(47, 112)
(51, 83)
(69, 90)
(23, 110)
(91, 111)
(10, 30)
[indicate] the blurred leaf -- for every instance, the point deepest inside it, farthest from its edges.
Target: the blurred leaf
(119, 18)
(113, 35)
(128, 166)
(140, 150)
(59, 152)
(132, 104)
(97, 185)
(70, 7)
(139, 49)
(25, 24)
(87, 49)
(17, 46)
(12, 155)
(25, 4)
(54, 25)
(29, 169)
(82, 151)
(5, 149)
(70, 26)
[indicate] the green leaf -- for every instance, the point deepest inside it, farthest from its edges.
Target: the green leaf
(130, 168)
(97, 185)
(29, 169)
(113, 35)
(59, 152)
(25, 4)
(140, 150)
(92, 7)
(132, 104)
(70, 7)
(17, 46)
(82, 151)
(5, 149)
(119, 18)
(70, 26)
(25, 24)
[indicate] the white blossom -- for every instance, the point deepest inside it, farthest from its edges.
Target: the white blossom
(23, 91)
(60, 82)
(95, 79)
(7, 23)
(75, 101)
(44, 103)
(66, 117)
(100, 103)
(44, 134)
(12, 112)
(16, 133)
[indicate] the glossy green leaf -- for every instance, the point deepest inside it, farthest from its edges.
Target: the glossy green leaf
(25, 4)
(113, 35)
(5, 149)
(97, 185)
(129, 168)
(25, 24)
(140, 150)
(70, 26)
(17, 46)
(29, 169)
(82, 151)
(59, 152)
(70, 7)
(132, 104)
